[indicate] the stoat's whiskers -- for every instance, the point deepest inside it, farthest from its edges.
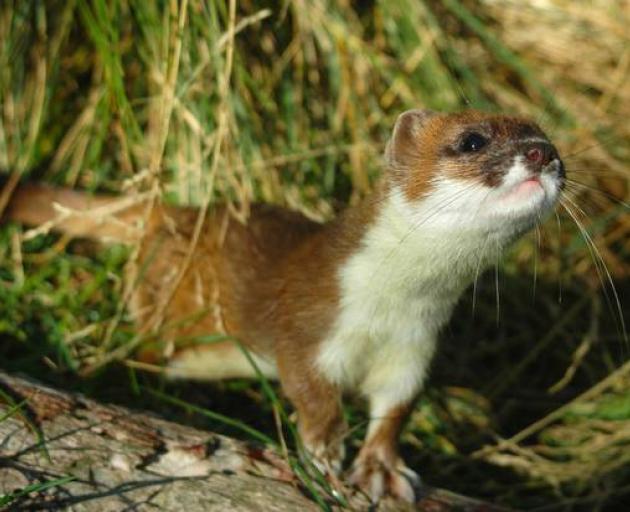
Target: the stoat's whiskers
(578, 186)
(496, 283)
(623, 172)
(600, 265)
(608, 140)
(482, 257)
(537, 248)
(559, 226)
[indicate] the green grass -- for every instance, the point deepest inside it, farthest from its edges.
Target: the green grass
(133, 96)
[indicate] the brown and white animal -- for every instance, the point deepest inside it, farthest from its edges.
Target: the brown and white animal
(353, 305)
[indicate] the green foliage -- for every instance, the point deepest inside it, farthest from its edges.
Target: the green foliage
(123, 95)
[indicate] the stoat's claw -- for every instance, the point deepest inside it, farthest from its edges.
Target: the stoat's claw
(378, 478)
(327, 459)
(328, 462)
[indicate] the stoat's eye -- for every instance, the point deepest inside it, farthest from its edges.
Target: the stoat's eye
(472, 142)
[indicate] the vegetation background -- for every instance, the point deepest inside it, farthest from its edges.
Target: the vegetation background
(291, 102)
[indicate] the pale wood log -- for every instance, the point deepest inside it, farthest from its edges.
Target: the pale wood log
(127, 460)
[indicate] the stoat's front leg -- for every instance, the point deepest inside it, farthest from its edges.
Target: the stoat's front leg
(391, 387)
(321, 424)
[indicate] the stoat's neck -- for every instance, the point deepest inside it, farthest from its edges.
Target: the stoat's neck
(418, 252)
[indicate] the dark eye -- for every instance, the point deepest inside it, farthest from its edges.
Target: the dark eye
(472, 142)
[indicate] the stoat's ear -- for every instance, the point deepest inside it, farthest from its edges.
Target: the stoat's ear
(402, 149)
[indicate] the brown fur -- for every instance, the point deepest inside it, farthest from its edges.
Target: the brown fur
(252, 281)
(273, 283)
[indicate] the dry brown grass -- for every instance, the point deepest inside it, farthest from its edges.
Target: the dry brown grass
(196, 102)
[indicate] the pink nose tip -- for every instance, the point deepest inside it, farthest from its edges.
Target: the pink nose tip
(534, 155)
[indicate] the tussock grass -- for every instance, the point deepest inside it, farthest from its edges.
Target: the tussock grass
(196, 102)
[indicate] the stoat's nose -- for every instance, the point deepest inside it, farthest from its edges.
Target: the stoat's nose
(538, 154)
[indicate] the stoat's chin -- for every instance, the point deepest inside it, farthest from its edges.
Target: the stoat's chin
(528, 199)
(527, 191)
(528, 187)
(526, 194)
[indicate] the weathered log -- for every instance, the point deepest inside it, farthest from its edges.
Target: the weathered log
(119, 459)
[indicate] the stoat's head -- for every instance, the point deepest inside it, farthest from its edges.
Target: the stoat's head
(473, 169)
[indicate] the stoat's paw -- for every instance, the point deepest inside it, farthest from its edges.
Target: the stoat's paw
(378, 477)
(327, 461)
(327, 458)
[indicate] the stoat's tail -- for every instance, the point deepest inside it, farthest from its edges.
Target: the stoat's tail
(80, 214)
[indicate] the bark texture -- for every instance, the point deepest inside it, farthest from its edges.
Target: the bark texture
(121, 459)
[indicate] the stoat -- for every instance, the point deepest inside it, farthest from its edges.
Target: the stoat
(352, 305)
